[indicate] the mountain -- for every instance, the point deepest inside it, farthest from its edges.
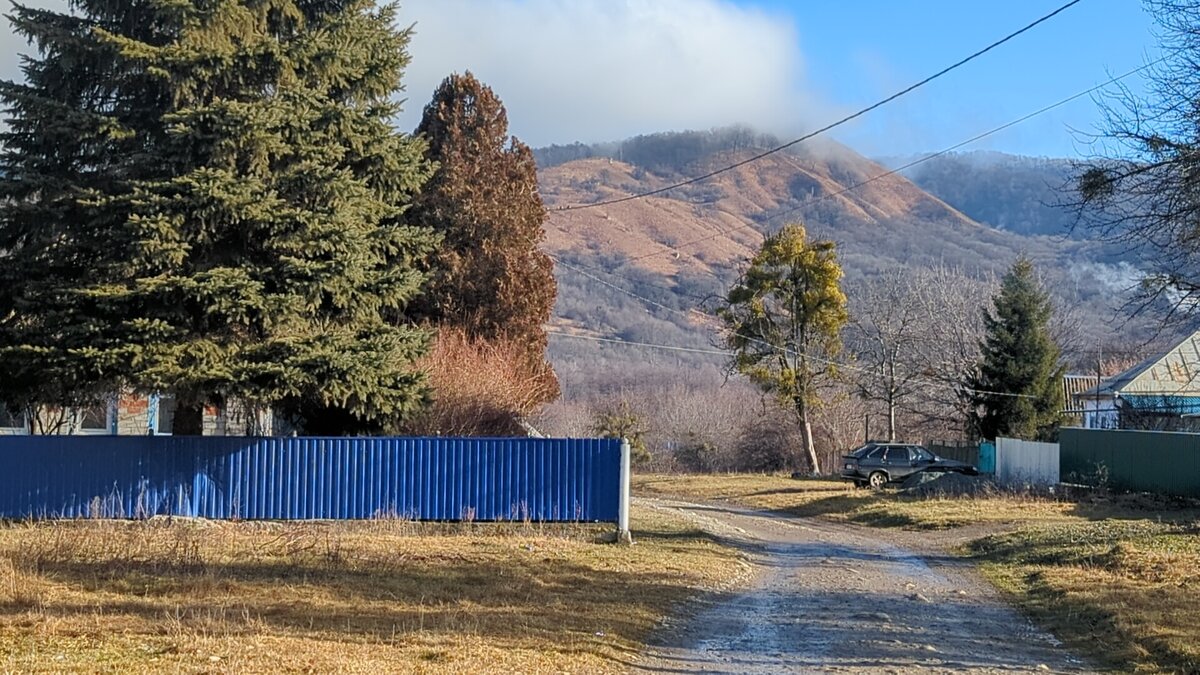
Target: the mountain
(687, 245)
(1018, 194)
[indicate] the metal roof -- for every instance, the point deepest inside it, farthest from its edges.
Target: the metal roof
(1175, 372)
(1073, 387)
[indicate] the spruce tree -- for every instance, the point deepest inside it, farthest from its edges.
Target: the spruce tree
(1017, 389)
(205, 198)
(489, 278)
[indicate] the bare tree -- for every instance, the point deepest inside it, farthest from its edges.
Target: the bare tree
(1139, 190)
(915, 334)
(888, 324)
(952, 304)
(839, 421)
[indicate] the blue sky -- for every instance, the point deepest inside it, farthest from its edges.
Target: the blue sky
(859, 52)
(598, 70)
(593, 70)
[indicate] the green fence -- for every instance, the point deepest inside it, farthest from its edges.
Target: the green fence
(982, 456)
(1136, 461)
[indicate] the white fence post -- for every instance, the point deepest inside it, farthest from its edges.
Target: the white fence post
(623, 534)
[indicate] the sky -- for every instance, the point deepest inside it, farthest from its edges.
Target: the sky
(600, 70)
(595, 70)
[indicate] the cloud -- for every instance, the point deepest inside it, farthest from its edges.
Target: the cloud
(593, 70)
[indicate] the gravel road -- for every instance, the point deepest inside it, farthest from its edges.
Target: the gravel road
(827, 598)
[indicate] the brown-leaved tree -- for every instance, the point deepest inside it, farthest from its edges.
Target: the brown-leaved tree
(488, 279)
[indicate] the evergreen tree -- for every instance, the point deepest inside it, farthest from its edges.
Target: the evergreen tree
(620, 421)
(1018, 387)
(489, 278)
(205, 198)
(784, 314)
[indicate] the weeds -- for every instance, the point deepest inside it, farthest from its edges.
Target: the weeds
(173, 594)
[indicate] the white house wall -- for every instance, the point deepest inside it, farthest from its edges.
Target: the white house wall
(1100, 414)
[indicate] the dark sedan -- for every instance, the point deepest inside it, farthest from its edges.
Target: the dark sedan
(877, 464)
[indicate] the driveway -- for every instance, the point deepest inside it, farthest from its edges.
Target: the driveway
(829, 598)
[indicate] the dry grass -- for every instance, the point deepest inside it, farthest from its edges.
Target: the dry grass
(383, 596)
(1113, 576)
(838, 500)
(1121, 591)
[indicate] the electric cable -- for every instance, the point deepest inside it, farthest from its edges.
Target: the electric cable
(921, 160)
(833, 125)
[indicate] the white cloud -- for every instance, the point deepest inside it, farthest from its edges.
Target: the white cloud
(592, 70)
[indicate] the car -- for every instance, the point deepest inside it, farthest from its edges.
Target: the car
(879, 463)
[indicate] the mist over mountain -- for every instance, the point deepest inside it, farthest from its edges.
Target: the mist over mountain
(1025, 195)
(974, 213)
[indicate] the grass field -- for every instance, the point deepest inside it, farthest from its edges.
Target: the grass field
(838, 500)
(381, 596)
(1116, 577)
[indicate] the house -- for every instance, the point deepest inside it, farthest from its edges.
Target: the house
(1160, 393)
(1073, 385)
(133, 414)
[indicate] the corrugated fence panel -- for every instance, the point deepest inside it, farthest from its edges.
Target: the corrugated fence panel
(962, 452)
(1027, 462)
(1137, 461)
(310, 478)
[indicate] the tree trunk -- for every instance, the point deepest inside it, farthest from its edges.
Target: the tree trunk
(891, 399)
(188, 420)
(806, 434)
(891, 418)
(808, 445)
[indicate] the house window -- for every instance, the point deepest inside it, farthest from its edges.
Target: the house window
(95, 419)
(13, 420)
(162, 415)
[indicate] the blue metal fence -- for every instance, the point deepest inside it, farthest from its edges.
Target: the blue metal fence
(310, 478)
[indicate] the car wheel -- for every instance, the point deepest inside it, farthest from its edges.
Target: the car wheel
(878, 480)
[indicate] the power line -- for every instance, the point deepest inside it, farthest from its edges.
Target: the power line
(784, 350)
(828, 127)
(975, 138)
(897, 170)
(631, 343)
(622, 290)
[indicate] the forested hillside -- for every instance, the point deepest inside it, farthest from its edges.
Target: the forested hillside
(682, 247)
(1025, 195)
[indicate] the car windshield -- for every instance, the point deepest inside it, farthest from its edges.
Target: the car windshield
(923, 454)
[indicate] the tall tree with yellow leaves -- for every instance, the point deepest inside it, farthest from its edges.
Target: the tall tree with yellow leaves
(783, 321)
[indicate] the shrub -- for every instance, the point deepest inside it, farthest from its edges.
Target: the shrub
(697, 454)
(620, 421)
(767, 444)
(480, 388)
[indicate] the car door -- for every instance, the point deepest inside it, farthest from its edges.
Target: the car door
(899, 463)
(871, 461)
(922, 459)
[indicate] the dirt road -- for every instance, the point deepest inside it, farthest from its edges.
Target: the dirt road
(828, 598)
